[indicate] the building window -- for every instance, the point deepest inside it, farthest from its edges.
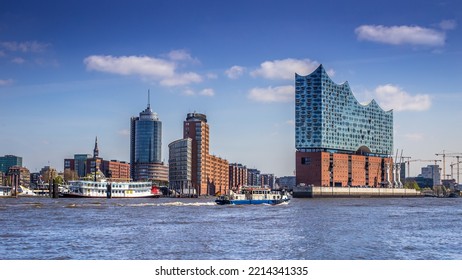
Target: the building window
(306, 160)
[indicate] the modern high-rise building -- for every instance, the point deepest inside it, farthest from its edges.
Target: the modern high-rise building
(180, 167)
(146, 147)
(8, 161)
(339, 141)
(195, 127)
(209, 173)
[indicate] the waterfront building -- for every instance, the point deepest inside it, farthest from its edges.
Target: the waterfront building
(432, 172)
(237, 176)
(253, 177)
(84, 165)
(286, 182)
(180, 167)
(421, 181)
(267, 180)
(209, 173)
(47, 174)
(116, 170)
(195, 127)
(8, 161)
(217, 175)
(80, 164)
(339, 141)
(2, 179)
(146, 147)
(18, 176)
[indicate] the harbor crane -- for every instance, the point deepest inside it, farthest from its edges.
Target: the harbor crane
(419, 160)
(444, 154)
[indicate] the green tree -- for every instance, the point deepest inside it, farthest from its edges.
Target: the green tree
(58, 180)
(411, 184)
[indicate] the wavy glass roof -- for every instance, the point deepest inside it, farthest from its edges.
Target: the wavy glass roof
(328, 117)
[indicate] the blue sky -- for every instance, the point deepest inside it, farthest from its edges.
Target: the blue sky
(74, 70)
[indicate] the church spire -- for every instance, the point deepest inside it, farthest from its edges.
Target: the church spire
(96, 150)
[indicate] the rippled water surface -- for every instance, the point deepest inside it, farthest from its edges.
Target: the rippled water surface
(167, 228)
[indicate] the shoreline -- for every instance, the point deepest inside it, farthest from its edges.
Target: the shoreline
(316, 192)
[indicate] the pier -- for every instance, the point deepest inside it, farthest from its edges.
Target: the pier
(316, 192)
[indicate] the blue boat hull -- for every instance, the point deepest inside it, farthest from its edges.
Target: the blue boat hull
(248, 201)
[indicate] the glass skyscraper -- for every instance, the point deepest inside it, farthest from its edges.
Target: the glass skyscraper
(145, 144)
(8, 161)
(329, 118)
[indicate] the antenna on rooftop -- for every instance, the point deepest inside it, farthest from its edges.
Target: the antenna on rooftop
(149, 99)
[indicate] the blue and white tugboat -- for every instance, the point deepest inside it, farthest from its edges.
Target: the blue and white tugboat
(254, 195)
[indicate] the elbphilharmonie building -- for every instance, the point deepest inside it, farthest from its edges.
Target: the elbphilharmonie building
(339, 141)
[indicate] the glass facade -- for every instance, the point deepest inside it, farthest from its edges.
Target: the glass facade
(180, 165)
(329, 118)
(8, 161)
(148, 138)
(145, 140)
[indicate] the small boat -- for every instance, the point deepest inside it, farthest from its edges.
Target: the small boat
(23, 191)
(105, 189)
(254, 195)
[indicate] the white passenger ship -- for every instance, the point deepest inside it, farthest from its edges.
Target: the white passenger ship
(105, 189)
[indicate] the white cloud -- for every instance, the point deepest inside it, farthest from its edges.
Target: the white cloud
(6, 82)
(18, 60)
(188, 92)
(399, 35)
(285, 69)
(207, 92)
(131, 65)
(211, 76)
(179, 55)
(124, 132)
(29, 46)
(448, 24)
(393, 97)
(272, 94)
(290, 122)
(414, 136)
(235, 72)
(181, 79)
(156, 69)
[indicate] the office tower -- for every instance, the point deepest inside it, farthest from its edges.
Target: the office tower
(209, 173)
(339, 141)
(8, 161)
(146, 147)
(195, 127)
(180, 167)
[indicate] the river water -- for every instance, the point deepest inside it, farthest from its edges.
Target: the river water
(197, 229)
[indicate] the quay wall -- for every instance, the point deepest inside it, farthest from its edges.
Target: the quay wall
(315, 192)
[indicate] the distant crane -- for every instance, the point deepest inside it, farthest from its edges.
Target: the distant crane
(444, 154)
